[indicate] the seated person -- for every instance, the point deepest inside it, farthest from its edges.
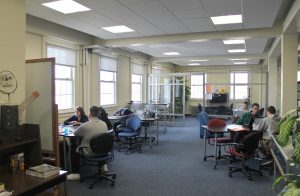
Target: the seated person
(126, 113)
(103, 116)
(78, 118)
(245, 121)
(240, 111)
(268, 126)
(87, 130)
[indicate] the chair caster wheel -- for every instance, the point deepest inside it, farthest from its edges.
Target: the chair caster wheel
(80, 181)
(114, 177)
(204, 159)
(112, 184)
(271, 172)
(229, 175)
(90, 187)
(249, 178)
(260, 174)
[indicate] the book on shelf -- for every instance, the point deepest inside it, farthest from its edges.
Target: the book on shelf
(16, 163)
(43, 171)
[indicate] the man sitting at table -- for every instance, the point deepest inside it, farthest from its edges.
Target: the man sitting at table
(87, 130)
(269, 126)
(245, 121)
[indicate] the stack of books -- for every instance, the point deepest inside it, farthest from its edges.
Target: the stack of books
(16, 163)
(43, 171)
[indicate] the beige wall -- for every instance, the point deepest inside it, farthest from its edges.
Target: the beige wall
(12, 45)
(219, 77)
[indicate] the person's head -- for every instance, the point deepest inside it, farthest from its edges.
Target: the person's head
(271, 110)
(80, 111)
(255, 108)
(94, 111)
(245, 105)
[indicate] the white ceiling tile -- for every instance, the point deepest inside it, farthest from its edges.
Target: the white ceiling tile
(190, 14)
(224, 10)
(221, 2)
(135, 1)
(199, 25)
(117, 12)
(174, 5)
(258, 21)
(229, 27)
(131, 20)
(147, 29)
(149, 7)
(99, 4)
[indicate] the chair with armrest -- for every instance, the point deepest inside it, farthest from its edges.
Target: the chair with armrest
(245, 150)
(130, 133)
(102, 148)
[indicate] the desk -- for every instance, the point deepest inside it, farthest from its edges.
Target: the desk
(225, 117)
(151, 120)
(214, 130)
(61, 132)
(25, 185)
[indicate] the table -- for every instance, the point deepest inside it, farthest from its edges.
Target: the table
(215, 130)
(24, 185)
(151, 120)
(71, 130)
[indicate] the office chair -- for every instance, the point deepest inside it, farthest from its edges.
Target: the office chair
(130, 132)
(245, 150)
(102, 148)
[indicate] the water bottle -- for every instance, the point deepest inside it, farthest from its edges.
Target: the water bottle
(66, 131)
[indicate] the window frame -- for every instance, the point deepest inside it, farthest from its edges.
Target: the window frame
(140, 83)
(198, 85)
(73, 71)
(232, 95)
(114, 82)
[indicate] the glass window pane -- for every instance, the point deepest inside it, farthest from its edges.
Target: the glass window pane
(241, 78)
(107, 76)
(241, 92)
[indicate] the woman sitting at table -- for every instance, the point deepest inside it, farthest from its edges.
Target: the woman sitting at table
(78, 118)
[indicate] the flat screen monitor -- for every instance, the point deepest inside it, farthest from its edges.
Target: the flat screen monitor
(219, 98)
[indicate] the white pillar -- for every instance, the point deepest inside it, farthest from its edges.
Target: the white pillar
(272, 82)
(289, 62)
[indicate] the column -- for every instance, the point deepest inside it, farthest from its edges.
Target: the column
(289, 62)
(272, 82)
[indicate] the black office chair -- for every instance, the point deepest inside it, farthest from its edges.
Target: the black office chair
(102, 148)
(245, 150)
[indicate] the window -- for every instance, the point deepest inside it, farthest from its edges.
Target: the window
(197, 86)
(238, 85)
(136, 87)
(136, 82)
(65, 62)
(298, 76)
(108, 75)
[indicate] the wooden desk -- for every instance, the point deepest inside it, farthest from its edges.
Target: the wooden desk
(25, 185)
(214, 130)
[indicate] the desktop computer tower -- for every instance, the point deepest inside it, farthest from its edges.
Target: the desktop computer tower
(9, 117)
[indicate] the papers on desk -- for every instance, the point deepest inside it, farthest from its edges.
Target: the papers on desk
(6, 193)
(237, 128)
(43, 171)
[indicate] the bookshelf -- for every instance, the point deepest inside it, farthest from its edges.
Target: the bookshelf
(26, 139)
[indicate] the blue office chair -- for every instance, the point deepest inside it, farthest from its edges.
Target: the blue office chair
(102, 147)
(129, 135)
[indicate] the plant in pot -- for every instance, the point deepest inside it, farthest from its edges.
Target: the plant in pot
(288, 126)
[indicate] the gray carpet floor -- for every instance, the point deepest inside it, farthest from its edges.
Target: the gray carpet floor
(175, 167)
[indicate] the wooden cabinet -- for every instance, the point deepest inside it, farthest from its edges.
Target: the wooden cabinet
(24, 139)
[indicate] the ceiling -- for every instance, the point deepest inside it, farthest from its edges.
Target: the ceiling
(182, 26)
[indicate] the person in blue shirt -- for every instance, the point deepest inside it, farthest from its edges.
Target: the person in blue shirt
(78, 118)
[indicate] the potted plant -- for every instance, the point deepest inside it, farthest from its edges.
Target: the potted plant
(289, 126)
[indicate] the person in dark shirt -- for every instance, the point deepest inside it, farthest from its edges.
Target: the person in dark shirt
(78, 118)
(103, 116)
(125, 113)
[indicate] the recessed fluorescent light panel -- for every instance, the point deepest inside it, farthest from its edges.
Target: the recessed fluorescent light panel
(239, 63)
(234, 41)
(118, 29)
(66, 6)
(136, 44)
(237, 50)
(229, 19)
(194, 63)
(199, 60)
(238, 59)
(171, 53)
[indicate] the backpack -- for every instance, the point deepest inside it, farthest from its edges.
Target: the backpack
(103, 116)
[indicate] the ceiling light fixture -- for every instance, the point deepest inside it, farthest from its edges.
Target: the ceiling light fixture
(239, 63)
(171, 53)
(118, 29)
(234, 41)
(194, 64)
(229, 19)
(238, 59)
(199, 60)
(136, 44)
(237, 50)
(66, 6)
